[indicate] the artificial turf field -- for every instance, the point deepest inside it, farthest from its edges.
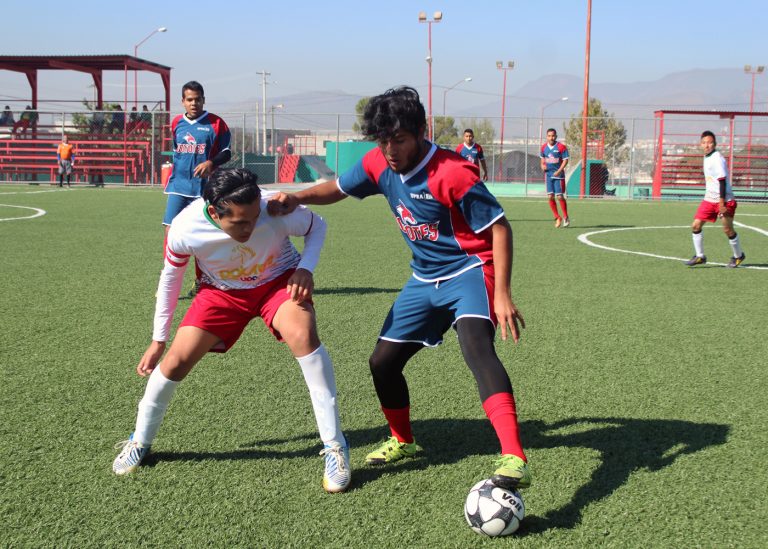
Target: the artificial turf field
(641, 388)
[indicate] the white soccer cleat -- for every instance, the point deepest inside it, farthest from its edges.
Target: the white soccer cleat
(566, 221)
(129, 458)
(337, 475)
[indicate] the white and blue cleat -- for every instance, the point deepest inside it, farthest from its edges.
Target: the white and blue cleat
(337, 475)
(129, 458)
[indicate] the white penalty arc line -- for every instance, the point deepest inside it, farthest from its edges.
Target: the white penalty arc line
(584, 239)
(38, 212)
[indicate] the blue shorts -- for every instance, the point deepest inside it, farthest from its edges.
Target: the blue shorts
(555, 186)
(175, 204)
(424, 311)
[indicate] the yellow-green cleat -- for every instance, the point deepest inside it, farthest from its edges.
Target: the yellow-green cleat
(512, 473)
(392, 450)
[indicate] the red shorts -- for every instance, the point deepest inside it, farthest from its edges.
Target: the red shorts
(226, 314)
(709, 211)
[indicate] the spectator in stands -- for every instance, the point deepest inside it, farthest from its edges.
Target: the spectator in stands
(145, 119)
(6, 119)
(133, 120)
(28, 118)
(96, 124)
(118, 121)
(65, 155)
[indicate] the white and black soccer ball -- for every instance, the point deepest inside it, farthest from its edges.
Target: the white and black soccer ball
(493, 511)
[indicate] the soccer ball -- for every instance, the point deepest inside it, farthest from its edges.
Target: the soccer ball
(493, 511)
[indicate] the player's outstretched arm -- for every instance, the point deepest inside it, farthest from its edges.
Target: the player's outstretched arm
(321, 194)
(509, 317)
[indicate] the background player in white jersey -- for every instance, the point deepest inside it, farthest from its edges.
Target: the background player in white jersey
(249, 268)
(719, 202)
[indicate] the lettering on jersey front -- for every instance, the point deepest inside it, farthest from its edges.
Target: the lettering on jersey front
(190, 145)
(422, 196)
(243, 254)
(412, 228)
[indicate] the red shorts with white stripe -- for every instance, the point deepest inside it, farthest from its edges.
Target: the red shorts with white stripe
(709, 211)
(226, 314)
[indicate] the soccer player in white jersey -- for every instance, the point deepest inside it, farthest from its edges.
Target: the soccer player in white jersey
(719, 202)
(249, 268)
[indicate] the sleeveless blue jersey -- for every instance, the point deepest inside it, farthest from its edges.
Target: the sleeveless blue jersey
(194, 141)
(441, 207)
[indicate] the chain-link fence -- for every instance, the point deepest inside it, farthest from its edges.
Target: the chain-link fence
(135, 148)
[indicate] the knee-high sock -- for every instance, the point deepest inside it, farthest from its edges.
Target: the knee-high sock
(735, 245)
(153, 406)
(563, 206)
(553, 206)
(698, 243)
(321, 382)
(500, 409)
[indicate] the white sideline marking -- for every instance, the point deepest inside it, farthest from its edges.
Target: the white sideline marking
(761, 231)
(38, 212)
(38, 192)
(584, 238)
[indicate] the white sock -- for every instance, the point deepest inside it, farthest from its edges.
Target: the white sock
(735, 245)
(152, 407)
(698, 243)
(321, 382)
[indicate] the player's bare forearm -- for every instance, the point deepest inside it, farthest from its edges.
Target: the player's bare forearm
(151, 357)
(321, 194)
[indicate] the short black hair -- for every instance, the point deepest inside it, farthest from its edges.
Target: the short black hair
(469, 130)
(231, 186)
(193, 85)
(552, 130)
(708, 133)
(395, 109)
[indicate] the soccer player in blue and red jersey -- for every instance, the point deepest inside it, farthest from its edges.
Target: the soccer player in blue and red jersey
(200, 144)
(473, 152)
(462, 263)
(554, 159)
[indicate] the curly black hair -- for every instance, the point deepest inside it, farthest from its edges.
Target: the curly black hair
(396, 109)
(233, 186)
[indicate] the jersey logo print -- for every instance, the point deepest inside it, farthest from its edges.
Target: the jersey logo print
(243, 273)
(189, 138)
(412, 228)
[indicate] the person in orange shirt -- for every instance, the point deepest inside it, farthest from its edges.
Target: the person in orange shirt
(66, 157)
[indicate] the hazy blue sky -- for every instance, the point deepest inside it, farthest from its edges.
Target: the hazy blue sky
(364, 47)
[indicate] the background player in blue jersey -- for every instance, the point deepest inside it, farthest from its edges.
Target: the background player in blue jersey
(200, 144)
(462, 262)
(473, 152)
(554, 159)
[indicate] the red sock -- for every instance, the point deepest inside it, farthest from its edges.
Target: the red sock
(563, 206)
(500, 409)
(553, 207)
(399, 420)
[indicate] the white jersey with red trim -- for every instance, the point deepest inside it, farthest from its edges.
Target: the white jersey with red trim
(228, 264)
(715, 168)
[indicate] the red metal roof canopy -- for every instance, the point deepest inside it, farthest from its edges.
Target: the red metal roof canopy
(94, 65)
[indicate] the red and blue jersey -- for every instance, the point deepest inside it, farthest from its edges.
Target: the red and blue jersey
(442, 208)
(554, 156)
(195, 141)
(472, 154)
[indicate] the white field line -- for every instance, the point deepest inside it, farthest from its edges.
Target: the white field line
(584, 238)
(38, 212)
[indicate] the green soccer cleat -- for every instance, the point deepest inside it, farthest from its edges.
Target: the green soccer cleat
(392, 450)
(513, 473)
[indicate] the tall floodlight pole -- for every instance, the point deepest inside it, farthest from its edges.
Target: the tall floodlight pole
(541, 120)
(501, 67)
(584, 118)
(758, 70)
(135, 73)
(467, 79)
(438, 16)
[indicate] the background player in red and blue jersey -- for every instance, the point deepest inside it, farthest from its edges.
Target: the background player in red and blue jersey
(473, 152)
(462, 261)
(554, 159)
(200, 144)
